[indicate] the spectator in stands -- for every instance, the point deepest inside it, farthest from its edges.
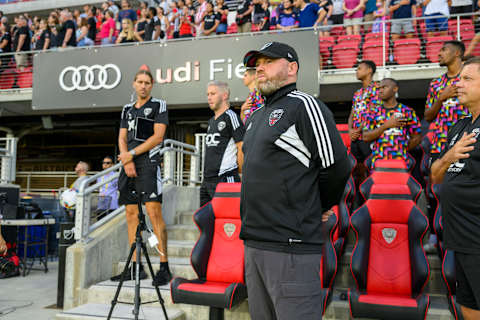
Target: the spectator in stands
(21, 42)
(244, 16)
(368, 14)
(162, 21)
(364, 100)
(353, 15)
(54, 26)
(173, 20)
(141, 23)
(91, 23)
(107, 29)
(152, 24)
(66, 35)
(81, 169)
(128, 33)
(42, 37)
(255, 99)
(86, 8)
(5, 44)
(211, 20)
(436, 13)
(222, 9)
(393, 127)
(199, 15)
(336, 17)
(191, 7)
(310, 14)
(186, 24)
(108, 196)
(457, 170)
(75, 16)
(461, 6)
(127, 12)
(287, 19)
(402, 9)
(82, 33)
(114, 8)
(261, 15)
(165, 5)
(380, 16)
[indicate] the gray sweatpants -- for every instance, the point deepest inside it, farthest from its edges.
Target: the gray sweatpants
(283, 286)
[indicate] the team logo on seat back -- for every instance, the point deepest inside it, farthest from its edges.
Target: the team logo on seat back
(229, 229)
(389, 234)
(275, 116)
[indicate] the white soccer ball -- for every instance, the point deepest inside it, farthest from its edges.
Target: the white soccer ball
(68, 199)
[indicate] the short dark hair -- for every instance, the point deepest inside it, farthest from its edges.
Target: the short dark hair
(153, 11)
(146, 72)
(457, 44)
(370, 64)
(109, 157)
(395, 82)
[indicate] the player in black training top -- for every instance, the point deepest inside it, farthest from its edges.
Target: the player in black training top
(142, 129)
(223, 155)
(458, 168)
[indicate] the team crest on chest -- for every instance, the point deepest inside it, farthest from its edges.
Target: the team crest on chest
(389, 234)
(147, 111)
(275, 116)
(221, 125)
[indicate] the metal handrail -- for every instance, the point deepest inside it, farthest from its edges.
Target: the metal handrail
(169, 150)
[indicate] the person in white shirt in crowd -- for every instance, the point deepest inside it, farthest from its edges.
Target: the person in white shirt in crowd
(436, 13)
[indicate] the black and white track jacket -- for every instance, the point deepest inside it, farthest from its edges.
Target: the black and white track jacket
(295, 168)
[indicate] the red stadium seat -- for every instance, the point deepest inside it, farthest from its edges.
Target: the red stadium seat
(407, 51)
(233, 28)
(382, 177)
(354, 40)
(218, 255)
(376, 51)
(337, 31)
(342, 211)
(7, 79)
(409, 164)
(343, 130)
(388, 263)
(377, 36)
(25, 78)
(433, 46)
(325, 45)
(345, 55)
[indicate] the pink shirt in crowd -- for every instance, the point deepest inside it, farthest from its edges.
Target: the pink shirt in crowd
(351, 4)
(105, 29)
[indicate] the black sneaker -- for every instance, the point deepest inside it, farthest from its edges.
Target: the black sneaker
(162, 277)
(130, 275)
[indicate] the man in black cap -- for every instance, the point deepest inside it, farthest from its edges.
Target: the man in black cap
(295, 169)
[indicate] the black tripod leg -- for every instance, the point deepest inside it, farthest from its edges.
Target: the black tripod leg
(138, 245)
(124, 273)
(150, 268)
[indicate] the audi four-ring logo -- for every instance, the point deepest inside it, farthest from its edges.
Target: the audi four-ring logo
(84, 77)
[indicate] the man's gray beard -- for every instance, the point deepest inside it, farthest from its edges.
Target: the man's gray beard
(270, 86)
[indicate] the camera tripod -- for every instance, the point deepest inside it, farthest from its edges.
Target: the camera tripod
(140, 248)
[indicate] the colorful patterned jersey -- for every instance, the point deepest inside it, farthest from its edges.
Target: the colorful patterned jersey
(393, 143)
(450, 112)
(363, 100)
(257, 102)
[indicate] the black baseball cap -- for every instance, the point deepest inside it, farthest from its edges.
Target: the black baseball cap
(274, 50)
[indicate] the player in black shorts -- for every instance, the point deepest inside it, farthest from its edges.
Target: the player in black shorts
(458, 168)
(142, 128)
(223, 154)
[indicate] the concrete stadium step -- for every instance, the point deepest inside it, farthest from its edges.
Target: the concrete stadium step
(185, 217)
(180, 267)
(183, 232)
(339, 309)
(121, 312)
(435, 285)
(176, 249)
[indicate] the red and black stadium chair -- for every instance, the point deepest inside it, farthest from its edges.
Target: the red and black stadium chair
(433, 46)
(343, 130)
(325, 45)
(407, 51)
(352, 39)
(391, 164)
(342, 212)
(25, 78)
(375, 51)
(388, 263)
(377, 36)
(344, 55)
(218, 256)
(381, 178)
(7, 79)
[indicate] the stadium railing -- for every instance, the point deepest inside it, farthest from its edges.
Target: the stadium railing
(8, 155)
(175, 157)
(337, 50)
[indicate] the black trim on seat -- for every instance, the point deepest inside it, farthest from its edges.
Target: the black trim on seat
(385, 196)
(390, 170)
(227, 195)
(205, 220)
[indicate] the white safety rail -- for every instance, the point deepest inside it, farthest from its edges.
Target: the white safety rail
(8, 155)
(30, 180)
(175, 157)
